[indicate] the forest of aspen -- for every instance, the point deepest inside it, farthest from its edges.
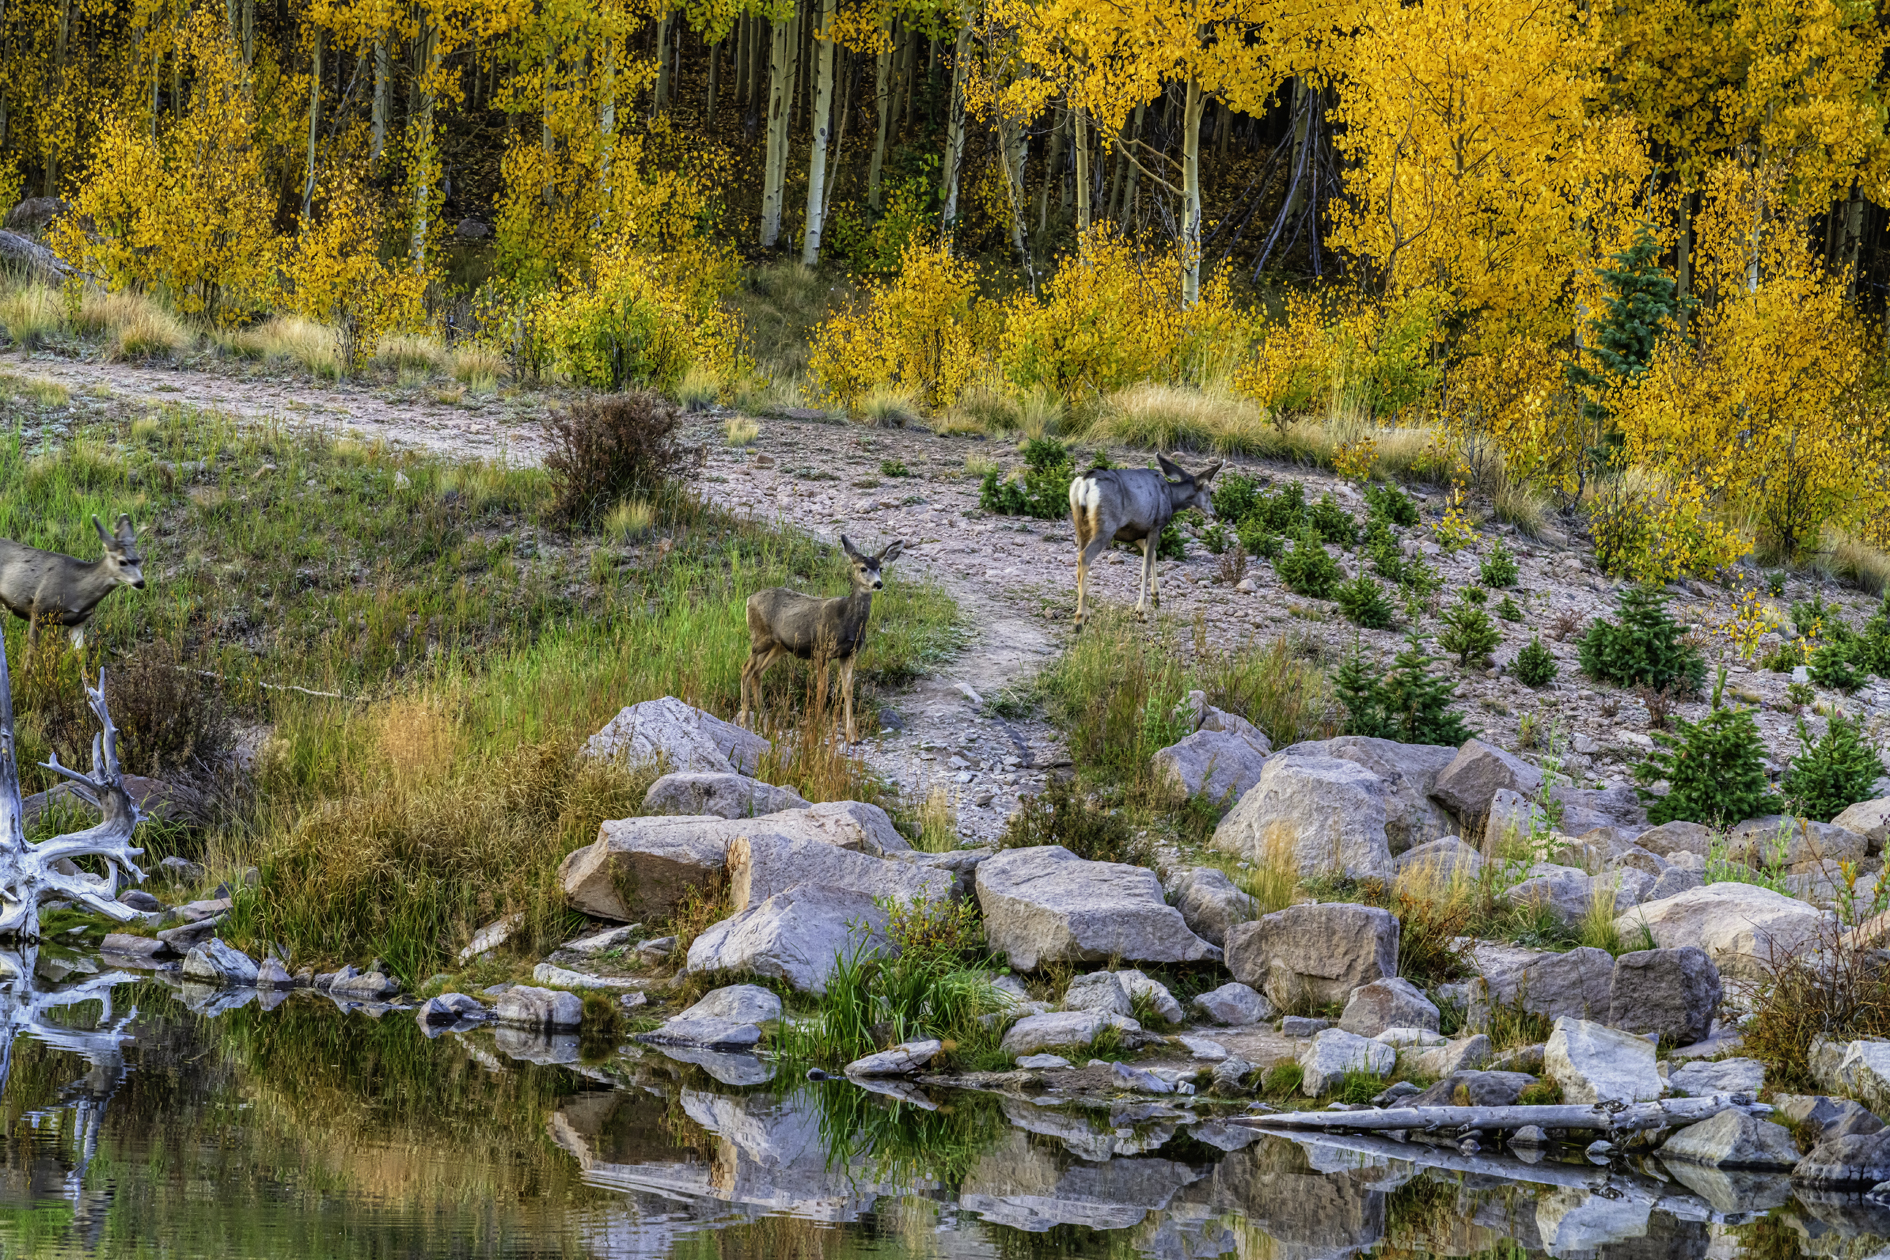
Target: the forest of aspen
(1620, 262)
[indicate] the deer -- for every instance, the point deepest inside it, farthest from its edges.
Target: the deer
(783, 622)
(1131, 505)
(37, 584)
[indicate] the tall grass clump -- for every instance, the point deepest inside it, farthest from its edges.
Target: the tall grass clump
(308, 344)
(1171, 417)
(32, 314)
(134, 325)
(477, 366)
(1833, 986)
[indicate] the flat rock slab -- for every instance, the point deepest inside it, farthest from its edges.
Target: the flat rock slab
(1035, 1033)
(565, 978)
(1045, 905)
(796, 936)
(679, 737)
(127, 946)
(723, 795)
(900, 1060)
(524, 1006)
(1724, 1076)
(761, 865)
(1594, 1063)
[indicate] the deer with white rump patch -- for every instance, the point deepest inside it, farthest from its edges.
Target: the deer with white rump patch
(37, 584)
(782, 622)
(1131, 505)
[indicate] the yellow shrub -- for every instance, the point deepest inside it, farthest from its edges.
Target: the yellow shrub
(917, 332)
(630, 325)
(1653, 530)
(336, 277)
(1509, 392)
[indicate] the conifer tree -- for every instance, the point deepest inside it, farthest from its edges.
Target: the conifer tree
(1641, 303)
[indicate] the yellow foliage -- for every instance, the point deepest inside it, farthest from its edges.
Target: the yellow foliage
(1353, 460)
(336, 276)
(1510, 391)
(629, 324)
(918, 332)
(1455, 531)
(1751, 619)
(1649, 529)
(1341, 349)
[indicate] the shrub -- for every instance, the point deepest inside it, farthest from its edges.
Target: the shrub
(1333, 522)
(1833, 665)
(1043, 491)
(917, 332)
(631, 325)
(1259, 540)
(1535, 665)
(1410, 704)
(1649, 531)
(1715, 768)
(1834, 773)
(1644, 645)
(1062, 815)
(1391, 505)
(1509, 609)
(1468, 632)
(607, 448)
(1499, 568)
(1363, 602)
(1307, 569)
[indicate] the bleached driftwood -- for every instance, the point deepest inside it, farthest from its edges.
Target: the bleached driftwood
(34, 873)
(30, 254)
(1601, 1117)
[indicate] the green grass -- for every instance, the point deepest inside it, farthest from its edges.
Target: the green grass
(474, 648)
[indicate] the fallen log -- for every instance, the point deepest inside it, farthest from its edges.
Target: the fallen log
(1602, 1117)
(30, 254)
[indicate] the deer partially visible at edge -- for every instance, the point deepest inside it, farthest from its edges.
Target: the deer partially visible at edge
(783, 622)
(1131, 505)
(40, 585)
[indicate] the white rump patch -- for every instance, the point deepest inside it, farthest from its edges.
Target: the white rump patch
(1085, 494)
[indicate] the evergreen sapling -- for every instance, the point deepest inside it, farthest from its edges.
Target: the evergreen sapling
(1645, 646)
(1833, 774)
(1714, 768)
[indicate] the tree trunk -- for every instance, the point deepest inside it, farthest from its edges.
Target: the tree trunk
(427, 54)
(1079, 126)
(1133, 184)
(607, 120)
(955, 124)
(742, 37)
(1192, 110)
(1014, 153)
(845, 78)
(715, 74)
(662, 65)
(1674, 1112)
(249, 33)
(377, 127)
(314, 123)
(774, 162)
(1051, 172)
(908, 74)
(1853, 246)
(819, 125)
(882, 97)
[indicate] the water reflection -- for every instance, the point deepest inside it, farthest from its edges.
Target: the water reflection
(143, 1117)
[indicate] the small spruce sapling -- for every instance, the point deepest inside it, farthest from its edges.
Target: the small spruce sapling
(1535, 665)
(1509, 609)
(1645, 645)
(1499, 568)
(1308, 569)
(1363, 602)
(1834, 773)
(1468, 633)
(1714, 768)
(1390, 504)
(1415, 703)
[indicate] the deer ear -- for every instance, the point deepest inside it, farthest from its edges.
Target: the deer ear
(104, 537)
(846, 545)
(126, 534)
(892, 550)
(1203, 478)
(1170, 467)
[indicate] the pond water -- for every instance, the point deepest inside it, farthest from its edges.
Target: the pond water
(146, 1119)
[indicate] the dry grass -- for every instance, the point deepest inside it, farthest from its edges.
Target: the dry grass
(42, 390)
(630, 520)
(32, 313)
(699, 388)
(938, 822)
(741, 431)
(1173, 417)
(477, 366)
(884, 407)
(1524, 506)
(1851, 560)
(772, 396)
(411, 354)
(306, 343)
(135, 325)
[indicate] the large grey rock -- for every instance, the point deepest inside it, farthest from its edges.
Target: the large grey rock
(1575, 983)
(1860, 1068)
(1465, 1054)
(1676, 837)
(742, 1003)
(1834, 1117)
(1334, 1052)
(214, 962)
(761, 865)
(1869, 819)
(642, 868)
(1390, 1003)
(1477, 773)
(678, 737)
(1440, 863)
(1704, 1077)
(701, 792)
(1575, 1221)
(1099, 991)
(1672, 992)
(1733, 1139)
(1235, 1004)
(1802, 845)
(1314, 954)
(1854, 1161)
(527, 1007)
(796, 936)
(1572, 895)
(1478, 1089)
(1584, 809)
(1220, 765)
(366, 986)
(901, 1060)
(1046, 904)
(1742, 927)
(1210, 904)
(126, 945)
(1512, 816)
(271, 974)
(1672, 882)
(1594, 1063)
(1033, 1033)
(450, 1008)
(1153, 993)
(844, 824)
(1316, 815)
(1408, 771)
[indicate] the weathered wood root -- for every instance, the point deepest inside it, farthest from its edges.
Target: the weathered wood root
(30, 254)
(1600, 1117)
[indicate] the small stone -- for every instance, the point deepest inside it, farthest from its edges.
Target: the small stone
(1302, 1025)
(214, 962)
(450, 1007)
(1044, 1062)
(1231, 1075)
(1529, 1135)
(1235, 1004)
(900, 1060)
(1205, 1048)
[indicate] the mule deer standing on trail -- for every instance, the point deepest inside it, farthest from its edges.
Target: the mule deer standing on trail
(1131, 505)
(36, 584)
(781, 621)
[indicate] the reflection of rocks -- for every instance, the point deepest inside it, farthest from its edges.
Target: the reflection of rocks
(530, 1045)
(1089, 1134)
(1572, 1219)
(1028, 1187)
(740, 1070)
(1307, 1212)
(212, 1000)
(1733, 1190)
(1846, 1214)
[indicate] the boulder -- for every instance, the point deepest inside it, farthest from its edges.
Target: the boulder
(140, 900)
(366, 986)
(729, 1018)
(1571, 895)
(1033, 1033)
(492, 935)
(1594, 1063)
(1634, 857)
(523, 1006)
(1676, 837)
(1671, 992)
(762, 865)
(1617, 807)
(127, 946)
(450, 1008)
(1801, 845)
(1465, 1054)
(1206, 1049)
(901, 1060)
(1869, 819)
(1314, 954)
(678, 737)
(1235, 1004)
(1220, 765)
(1318, 815)
(1230, 1076)
(1733, 1139)
(1159, 1000)
(1390, 1003)
(33, 214)
(797, 936)
(1334, 1052)
(1479, 1089)
(1704, 1077)
(1477, 773)
(1210, 904)
(703, 792)
(1046, 904)
(271, 974)
(642, 868)
(1860, 1068)
(1100, 991)
(1834, 1117)
(1855, 1161)
(1440, 863)
(214, 962)
(1672, 882)
(1742, 927)
(594, 943)
(1223, 722)
(1573, 983)
(1511, 815)
(1408, 772)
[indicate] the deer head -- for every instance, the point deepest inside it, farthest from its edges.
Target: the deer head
(866, 569)
(122, 560)
(1186, 489)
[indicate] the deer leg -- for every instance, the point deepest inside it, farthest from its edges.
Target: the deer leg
(1155, 569)
(758, 663)
(1143, 579)
(846, 685)
(1085, 560)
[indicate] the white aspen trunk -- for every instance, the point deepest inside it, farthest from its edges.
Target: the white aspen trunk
(882, 88)
(819, 125)
(662, 64)
(1079, 126)
(955, 124)
(249, 33)
(377, 126)
(715, 78)
(607, 121)
(314, 123)
(427, 55)
(774, 163)
(1192, 110)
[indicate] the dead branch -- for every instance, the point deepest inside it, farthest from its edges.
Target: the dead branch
(1600, 1117)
